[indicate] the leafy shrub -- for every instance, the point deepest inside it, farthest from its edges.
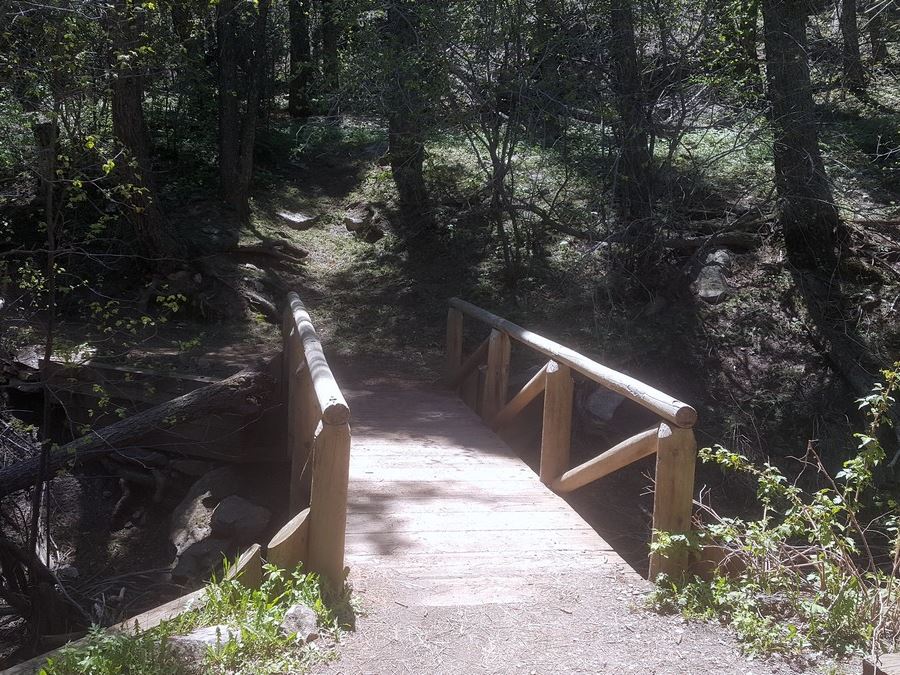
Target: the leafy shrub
(818, 569)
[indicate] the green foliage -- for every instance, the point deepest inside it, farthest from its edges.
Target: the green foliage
(254, 614)
(818, 568)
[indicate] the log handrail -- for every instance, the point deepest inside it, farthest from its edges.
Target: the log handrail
(481, 380)
(318, 439)
(667, 407)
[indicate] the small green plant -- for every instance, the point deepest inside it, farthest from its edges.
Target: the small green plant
(254, 614)
(818, 569)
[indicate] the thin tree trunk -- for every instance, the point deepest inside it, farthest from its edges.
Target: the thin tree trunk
(854, 76)
(806, 211)
(298, 97)
(406, 143)
(634, 183)
(130, 130)
(240, 81)
(749, 34)
(229, 102)
(875, 17)
(330, 36)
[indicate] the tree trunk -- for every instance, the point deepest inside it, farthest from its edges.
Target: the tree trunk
(406, 143)
(241, 69)
(243, 392)
(130, 130)
(876, 30)
(634, 181)
(806, 211)
(749, 35)
(298, 96)
(854, 76)
(330, 35)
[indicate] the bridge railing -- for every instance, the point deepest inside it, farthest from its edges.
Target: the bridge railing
(318, 438)
(482, 380)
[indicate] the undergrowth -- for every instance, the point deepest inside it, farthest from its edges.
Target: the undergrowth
(818, 569)
(253, 614)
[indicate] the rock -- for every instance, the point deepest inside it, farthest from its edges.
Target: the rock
(301, 621)
(29, 357)
(601, 404)
(191, 518)
(199, 559)
(191, 649)
(711, 285)
(191, 522)
(239, 519)
(372, 234)
(358, 217)
(721, 257)
(299, 221)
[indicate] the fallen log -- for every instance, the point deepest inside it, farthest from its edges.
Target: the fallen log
(242, 393)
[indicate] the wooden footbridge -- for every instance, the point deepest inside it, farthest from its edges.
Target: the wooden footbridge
(423, 501)
(429, 490)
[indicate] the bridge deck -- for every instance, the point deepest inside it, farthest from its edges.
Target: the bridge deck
(465, 563)
(439, 499)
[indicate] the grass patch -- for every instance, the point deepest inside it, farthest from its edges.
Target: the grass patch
(254, 614)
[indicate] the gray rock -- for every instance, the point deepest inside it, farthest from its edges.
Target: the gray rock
(358, 217)
(297, 220)
(721, 257)
(711, 285)
(192, 517)
(301, 621)
(601, 404)
(29, 357)
(191, 649)
(199, 559)
(239, 519)
(191, 521)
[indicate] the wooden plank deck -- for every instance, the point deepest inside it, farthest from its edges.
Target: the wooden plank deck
(464, 562)
(440, 500)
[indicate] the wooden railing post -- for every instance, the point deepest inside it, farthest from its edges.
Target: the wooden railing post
(454, 344)
(556, 436)
(676, 456)
(328, 503)
(496, 377)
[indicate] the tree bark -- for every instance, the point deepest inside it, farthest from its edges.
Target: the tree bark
(749, 35)
(634, 181)
(806, 211)
(876, 30)
(406, 142)
(301, 59)
(241, 69)
(851, 61)
(242, 392)
(130, 130)
(330, 36)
